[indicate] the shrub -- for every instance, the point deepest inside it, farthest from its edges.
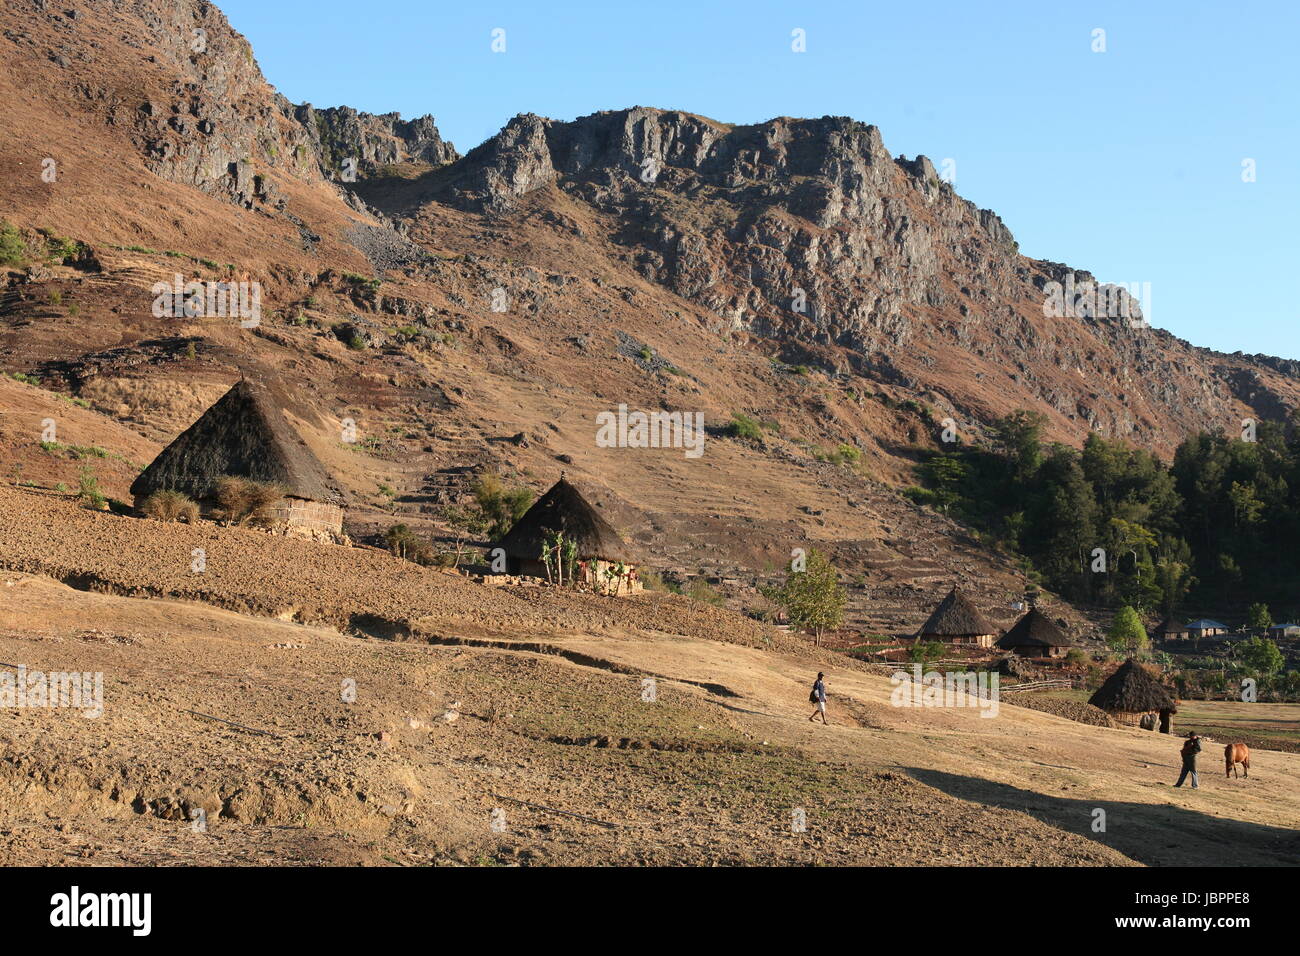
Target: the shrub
(652, 580)
(245, 502)
(500, 506)
(702, 590)
(13, 251)
(58, 250)
(742, 426)
(170, 505)
(88, 490)
(404, 543)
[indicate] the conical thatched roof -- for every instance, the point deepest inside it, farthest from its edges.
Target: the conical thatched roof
(246, 435)
(1169, 626)
(1035, 629)
(956, 616)
(1134, 690)
(564, 509)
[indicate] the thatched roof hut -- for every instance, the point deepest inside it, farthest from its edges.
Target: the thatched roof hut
(1036, 635)
(957, 621)
(1168, 630)
(246, 435)
(1132, 692)
(564, 509)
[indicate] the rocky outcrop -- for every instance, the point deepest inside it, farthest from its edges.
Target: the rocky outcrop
(341, 133)
(202, 114)
(807, 232)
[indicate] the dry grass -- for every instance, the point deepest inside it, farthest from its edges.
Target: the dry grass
(245, 502)
(170, 506)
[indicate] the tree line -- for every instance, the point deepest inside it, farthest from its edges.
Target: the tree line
(1113, 525)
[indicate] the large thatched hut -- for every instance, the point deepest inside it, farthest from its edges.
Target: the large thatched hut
(957, 621)
(601, 559)
(246, 435)
(1133, 695)
(1035, 635)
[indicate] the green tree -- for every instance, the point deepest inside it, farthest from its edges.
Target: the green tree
(1260, 655)
(1259, 617)
(813, 598)
(924, 653)
(1126, 634)
(1018, 436)
(12, 248)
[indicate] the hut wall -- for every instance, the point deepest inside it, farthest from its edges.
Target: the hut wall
(591, 573)
(1129, 718)
(594, 574)
(310, 516)
(968, 640)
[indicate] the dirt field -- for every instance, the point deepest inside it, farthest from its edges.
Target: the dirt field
(549, 698)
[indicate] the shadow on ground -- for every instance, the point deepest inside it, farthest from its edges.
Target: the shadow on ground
(1157, 834)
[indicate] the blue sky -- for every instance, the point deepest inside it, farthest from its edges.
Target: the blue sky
(1126, 163)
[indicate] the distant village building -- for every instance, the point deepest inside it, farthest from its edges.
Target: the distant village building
(246, 435)
(957, 621)
(1282, 632)
(1134, 696)
(1206, 628)
(604, 561)
(1035, 635)
(1168, 630)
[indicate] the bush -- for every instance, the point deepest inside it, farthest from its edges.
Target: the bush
(245, 502)
(404, 543)
(88, 490)
(170, 505)
(652, 580)
(500, 507)
(59, 250)
(13, 251)
(702, 590)
(742, 426)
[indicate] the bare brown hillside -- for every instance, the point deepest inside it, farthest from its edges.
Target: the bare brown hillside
(177, 160)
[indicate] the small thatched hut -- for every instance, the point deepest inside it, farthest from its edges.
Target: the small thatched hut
(1035, 635)
(1133, 695)
(602, 559)
(957, 621)
(246, 435)
(1168, 630)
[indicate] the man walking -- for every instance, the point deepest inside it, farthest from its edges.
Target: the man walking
(818, 697)
(1191, 748)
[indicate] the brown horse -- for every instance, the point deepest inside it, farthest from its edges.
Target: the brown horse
(1234, 754)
